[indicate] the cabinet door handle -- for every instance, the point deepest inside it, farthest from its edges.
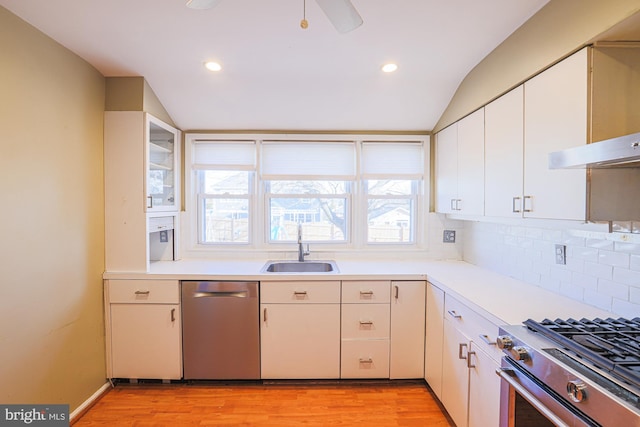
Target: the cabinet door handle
(264, 315)
(458, 208)
(530, 209)
(150, 204)
(142, 292)
(397, 288)
(455, 315)
(513, 205)
(453, 207)
(487, 340)
(469, 364)
(460, 347)
(173, 315)
(367, 360)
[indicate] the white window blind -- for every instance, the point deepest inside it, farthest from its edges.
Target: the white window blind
(308, 160)
(397, 159)
(239, 155)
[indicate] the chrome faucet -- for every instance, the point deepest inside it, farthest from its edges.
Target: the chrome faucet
(301, 252)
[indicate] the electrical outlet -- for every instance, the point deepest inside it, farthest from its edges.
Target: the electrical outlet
(561, 254)
(449, 236)
(164, 236)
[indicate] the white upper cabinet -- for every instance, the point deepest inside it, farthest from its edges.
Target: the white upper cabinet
(460, 166)
(504, 146)
(556, 118)
(447, 169)
(471, 164)
(161, 160)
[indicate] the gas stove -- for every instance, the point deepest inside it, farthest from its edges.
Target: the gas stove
(589, 370)
(610, 344)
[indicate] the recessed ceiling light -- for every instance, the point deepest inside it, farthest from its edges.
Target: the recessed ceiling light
(213, 66)
(389, 68)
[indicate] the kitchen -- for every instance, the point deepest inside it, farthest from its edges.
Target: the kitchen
(54, 256)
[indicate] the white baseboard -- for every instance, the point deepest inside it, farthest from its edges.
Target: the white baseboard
(87, 403)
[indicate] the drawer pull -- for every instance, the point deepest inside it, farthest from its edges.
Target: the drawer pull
(366, 294)
(298, 294)
(469, 364)
(367, 360)
(366, 323)
(487, 340)
(454, 314)
(142, 292)
(460, 347)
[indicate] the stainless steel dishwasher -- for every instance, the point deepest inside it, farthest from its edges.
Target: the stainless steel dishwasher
(220, 330)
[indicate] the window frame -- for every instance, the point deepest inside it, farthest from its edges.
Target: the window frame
(347, 197)
(413, 197)
(357, 198)
(202, 196)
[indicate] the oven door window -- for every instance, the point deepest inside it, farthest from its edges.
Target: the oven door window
(525, 402)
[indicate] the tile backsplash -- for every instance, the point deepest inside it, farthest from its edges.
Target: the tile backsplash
(602, 269)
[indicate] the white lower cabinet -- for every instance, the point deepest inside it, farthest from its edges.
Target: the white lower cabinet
(406, 358)
(455, 374)
(434, 339)
(143, 329)
(300, 330)
(365, 329)
(470, 386)
(484, 388)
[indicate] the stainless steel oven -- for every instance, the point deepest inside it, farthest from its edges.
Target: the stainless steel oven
(570, 373)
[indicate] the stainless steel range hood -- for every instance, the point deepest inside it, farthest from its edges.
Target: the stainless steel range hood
(623, 151)
(613, 177)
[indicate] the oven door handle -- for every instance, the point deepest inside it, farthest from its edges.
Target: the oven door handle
(507, 375)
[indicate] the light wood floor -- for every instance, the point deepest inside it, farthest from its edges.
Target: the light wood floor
(274, 404)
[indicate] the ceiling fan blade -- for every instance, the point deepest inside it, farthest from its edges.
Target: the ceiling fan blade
(202, 4)
(341, 13)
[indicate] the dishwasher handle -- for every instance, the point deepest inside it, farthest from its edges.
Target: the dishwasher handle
(221, 294)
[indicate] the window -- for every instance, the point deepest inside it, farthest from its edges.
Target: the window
(392, 174)
(224, 174)
(344, 191)
(224, 206)
(319, 206)
(309, 184)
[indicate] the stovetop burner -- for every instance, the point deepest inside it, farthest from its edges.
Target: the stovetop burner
(611, 344)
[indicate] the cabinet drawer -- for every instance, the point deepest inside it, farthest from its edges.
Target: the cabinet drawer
(161, 223)
(474, 326)
(143, 291)
(366, 291)
(365, 321)
(317, 292)
(364, 359)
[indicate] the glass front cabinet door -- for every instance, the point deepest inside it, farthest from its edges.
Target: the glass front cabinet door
(161, 177)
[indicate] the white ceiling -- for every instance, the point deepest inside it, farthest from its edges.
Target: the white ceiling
(275, 74)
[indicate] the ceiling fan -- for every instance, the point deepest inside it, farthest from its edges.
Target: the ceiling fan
(341, 13)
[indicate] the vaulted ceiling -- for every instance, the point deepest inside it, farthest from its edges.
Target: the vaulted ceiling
(276, 75)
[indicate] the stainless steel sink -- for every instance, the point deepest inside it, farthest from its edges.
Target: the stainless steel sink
(300, 267)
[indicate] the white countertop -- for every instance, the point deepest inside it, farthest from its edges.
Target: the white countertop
(499, 298)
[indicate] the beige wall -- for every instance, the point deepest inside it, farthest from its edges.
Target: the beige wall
(558, 29)
(51, 220)
(134, 94)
